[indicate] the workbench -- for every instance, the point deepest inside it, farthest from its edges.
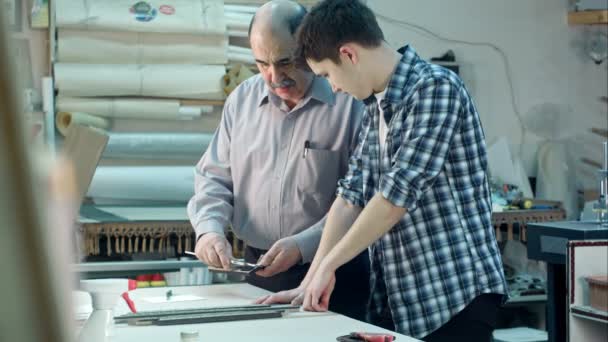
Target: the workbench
(293, 327)
(548, 242)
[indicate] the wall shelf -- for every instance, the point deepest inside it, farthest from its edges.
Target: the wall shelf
(587, 312)
(588, 17)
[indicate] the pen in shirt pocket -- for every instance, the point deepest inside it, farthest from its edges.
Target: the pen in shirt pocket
(306, 148)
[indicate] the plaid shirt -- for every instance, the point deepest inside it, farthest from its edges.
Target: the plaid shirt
(443, 252)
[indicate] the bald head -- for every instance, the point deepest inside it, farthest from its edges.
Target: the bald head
(273, 43)
(277, 17)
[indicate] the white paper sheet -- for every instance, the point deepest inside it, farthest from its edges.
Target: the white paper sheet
(176, 16)
(173, 299)
(106, 47)
(505, 169)
(156, 80)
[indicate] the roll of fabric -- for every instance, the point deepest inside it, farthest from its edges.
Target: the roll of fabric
(238, 33)
(239, 21)
(177, 16)
(106, 47)
(240, 49)
(143, 183)
(156, 80)
(240, 58)
(65, 120)
(131, 108)
(173, 146)
(240, 9)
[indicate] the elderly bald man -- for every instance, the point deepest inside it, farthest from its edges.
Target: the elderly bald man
(272, 167)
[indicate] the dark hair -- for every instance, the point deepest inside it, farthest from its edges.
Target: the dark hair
(332, 23)
(292, 22)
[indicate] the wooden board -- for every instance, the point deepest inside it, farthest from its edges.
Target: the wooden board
(592, 163)
(84, 146)
(588, 17)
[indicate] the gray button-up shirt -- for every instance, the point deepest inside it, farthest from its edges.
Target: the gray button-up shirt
(256, 174)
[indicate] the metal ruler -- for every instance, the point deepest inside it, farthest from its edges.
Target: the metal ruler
(205, 315)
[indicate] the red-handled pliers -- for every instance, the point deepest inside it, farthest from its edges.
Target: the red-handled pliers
(367, 337)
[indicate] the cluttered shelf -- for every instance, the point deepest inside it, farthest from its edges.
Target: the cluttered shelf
(512, 212)
(512, 224)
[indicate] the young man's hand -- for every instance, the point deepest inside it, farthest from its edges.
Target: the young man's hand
(214, 250)
(319, 290)
(293, 296)
(280, 257)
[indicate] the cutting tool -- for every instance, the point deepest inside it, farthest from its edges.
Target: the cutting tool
(236, 266)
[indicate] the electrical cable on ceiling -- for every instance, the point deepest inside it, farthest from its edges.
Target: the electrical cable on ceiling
(464, 42)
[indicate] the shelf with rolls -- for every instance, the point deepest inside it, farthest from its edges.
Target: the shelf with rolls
(153, 78)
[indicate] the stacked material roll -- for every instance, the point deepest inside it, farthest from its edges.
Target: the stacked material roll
(107, 47)
(159, 80)
(238, 18)
(131, 108)
(142, 183)
(125, 59)
(149, 48)
(183, 146)
(177, 16)
(65, 121)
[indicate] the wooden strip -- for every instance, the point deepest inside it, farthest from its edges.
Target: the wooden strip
(591, 163)
(84, 146)
(588, 17)
(600, 132)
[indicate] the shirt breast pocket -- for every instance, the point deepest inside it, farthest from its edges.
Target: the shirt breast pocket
(318, 172)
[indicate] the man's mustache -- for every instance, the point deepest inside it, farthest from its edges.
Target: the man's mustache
(288, 82)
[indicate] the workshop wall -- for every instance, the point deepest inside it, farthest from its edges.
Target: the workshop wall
(548, 65)
(551, 74)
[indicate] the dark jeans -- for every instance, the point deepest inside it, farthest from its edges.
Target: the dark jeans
(475, 322)
(350, 295)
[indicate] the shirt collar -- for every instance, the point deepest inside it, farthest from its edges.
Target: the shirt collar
(320, 90)
(397, 84)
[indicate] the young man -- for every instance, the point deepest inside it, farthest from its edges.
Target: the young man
(271, 169)
(416, 192)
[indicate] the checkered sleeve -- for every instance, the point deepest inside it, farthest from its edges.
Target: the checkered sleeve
(427, 132)
(350, 187)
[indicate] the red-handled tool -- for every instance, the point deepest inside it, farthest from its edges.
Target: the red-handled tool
(367, 337)
(125, 295)
(130, 303)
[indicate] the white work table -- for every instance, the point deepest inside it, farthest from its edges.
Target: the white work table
(292, 327)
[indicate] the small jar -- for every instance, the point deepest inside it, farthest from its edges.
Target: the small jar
(188, 336)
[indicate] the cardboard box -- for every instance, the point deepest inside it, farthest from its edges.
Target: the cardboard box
(598, 292)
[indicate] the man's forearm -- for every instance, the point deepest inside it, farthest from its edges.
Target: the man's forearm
(308, 240)
(378, 217)
(339, 219)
